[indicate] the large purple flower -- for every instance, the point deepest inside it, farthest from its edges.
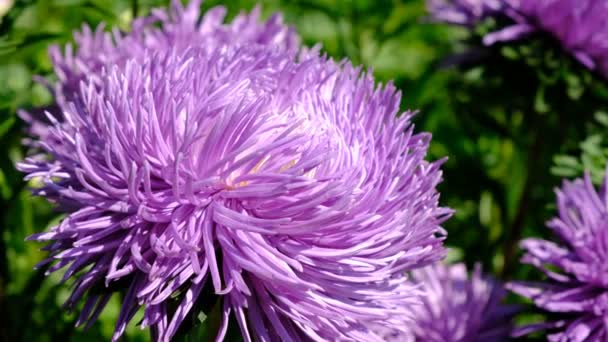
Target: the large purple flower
(581, 26)
(576, 266)
(206, 152)
(459, 309)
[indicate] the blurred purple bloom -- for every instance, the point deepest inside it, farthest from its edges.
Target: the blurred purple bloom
(180, 30)
(581, 26)
(463, 12)
(222, 153)
(456, 308)
(576, 267)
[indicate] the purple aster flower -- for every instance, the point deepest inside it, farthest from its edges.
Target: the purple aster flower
(457, 308)
(577, 284)
(463, 12)
(197, 151)
(180, 29)
(581, 26)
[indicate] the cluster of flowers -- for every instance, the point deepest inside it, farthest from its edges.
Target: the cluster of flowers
(192, 151)
(576, 291)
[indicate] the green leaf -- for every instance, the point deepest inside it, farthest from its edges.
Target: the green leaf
(566, 161)
(6, 125)
(567, 172)
(591, 145)
(5, 188)
(485, 208)
(540, 103)
(601, 117)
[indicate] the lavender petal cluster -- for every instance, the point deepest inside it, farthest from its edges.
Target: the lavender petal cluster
(456, 307)
(463, 12)
(580, 26)
(576, 288)
(459, 307)
(190, 152)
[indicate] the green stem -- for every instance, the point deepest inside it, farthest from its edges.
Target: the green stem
(517, 225)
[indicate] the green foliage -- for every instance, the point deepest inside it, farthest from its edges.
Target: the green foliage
(513, 119)
(591, 156)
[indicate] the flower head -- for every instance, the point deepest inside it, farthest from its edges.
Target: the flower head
(581, 26)
(207, 152)
(457, 308)
(463, 12)
(575, 265)
(180, 29)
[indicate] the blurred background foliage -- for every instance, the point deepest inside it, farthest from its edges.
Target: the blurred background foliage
(513, 119)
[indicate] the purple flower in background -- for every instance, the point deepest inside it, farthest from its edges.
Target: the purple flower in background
(179, 31)
(576, 267)
(457, 308)
(581, 26)
(463, 12)
(196, 151)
